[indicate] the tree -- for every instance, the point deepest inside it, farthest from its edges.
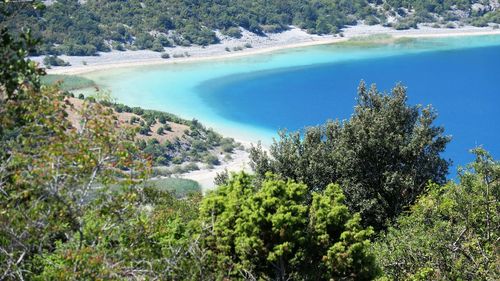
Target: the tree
(124, 239)
(270, 231)
(451, 233)
(50, 167)
(383, 156)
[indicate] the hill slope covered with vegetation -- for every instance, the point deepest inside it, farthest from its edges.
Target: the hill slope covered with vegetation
(86, 27)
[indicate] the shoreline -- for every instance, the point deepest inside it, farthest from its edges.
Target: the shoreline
(291, 39)
(294, 38)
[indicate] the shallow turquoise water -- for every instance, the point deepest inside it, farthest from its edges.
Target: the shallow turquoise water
(252, 97)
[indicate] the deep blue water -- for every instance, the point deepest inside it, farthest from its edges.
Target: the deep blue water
(462, 85)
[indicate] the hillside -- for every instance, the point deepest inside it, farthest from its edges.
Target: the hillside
(74, 27)
(175, 146)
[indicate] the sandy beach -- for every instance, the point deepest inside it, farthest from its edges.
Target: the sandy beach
(292, 38)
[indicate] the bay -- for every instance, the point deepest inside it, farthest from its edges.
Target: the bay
(253, 97)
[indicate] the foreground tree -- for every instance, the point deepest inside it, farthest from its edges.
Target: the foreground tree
(383, 156)
(450, 234)
(50, 168)
(269, 231)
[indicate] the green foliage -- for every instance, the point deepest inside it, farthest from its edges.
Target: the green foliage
(54, 61)
(268, 231)
(211, 160)
(132, 232)
(382, 157)
(232, 32)
(16, 72)
(160, 131)
(451, 233)
(85, 28)
(49, 170)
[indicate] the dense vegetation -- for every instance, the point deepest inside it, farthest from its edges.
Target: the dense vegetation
(86, 27)
(452, 232)
(78, 203)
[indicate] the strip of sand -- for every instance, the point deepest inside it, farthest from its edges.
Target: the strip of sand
(292, 38)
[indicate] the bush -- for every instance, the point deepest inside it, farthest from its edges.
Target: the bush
(165, 56)
(447, 227)
(247, 45)
(54, 61)
(211, 160)
(162, 119)
(227, 147)
(138, 110)
(72, 49)
(450, 25)
(177, 160)
(234, 32)
(134, 119)
(275, 224)
(192, 167)
(371, 20)
(167, 127)
(160, 131)
(144, 130)
(144, 41)
(118, 46)
(157, 46)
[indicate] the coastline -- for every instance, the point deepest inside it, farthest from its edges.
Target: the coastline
(293, 38)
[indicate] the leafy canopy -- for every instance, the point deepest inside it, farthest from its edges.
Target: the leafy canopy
(382, 157)
(269, 231)
(451, 233)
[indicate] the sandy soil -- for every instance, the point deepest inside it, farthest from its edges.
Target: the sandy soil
(205, 177)
(292, 38)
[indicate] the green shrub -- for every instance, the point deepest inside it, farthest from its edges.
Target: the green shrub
(177, 160)
(144, 130)
(211, 160)
(234, 32)
(54, 61)
(138, 110)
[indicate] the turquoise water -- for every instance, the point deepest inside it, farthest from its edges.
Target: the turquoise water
(252, 97)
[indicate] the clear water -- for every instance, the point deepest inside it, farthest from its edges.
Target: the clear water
(252, 97)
